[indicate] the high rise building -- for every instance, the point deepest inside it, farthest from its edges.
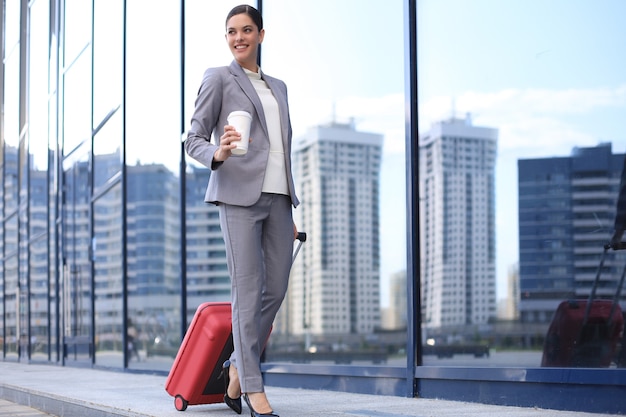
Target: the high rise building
(508, 307)
(335, 281)
(566, 214)
(457, 223)
(395, 315)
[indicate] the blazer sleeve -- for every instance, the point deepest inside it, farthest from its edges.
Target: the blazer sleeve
(208, 105)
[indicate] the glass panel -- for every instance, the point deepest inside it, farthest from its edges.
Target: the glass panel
(107, 255)
(77, 29)
(38, 187)
(153, 110)
(153, 265)
(39, 312)
(551, 101)
(76, 244)
(108, 58)
(207, 272)
(23, 238)
(54, 228)
(10, 135)
(11, 297)
(77, 104)
(12, 26)
(11, 99)
(10, 238)
(346, 300)
(107, 150)
(205, 27)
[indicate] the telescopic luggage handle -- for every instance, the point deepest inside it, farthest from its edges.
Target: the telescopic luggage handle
(301, 239)
(615, 246)
(618, 291)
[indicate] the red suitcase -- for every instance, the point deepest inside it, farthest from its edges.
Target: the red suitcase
(573, 342)
(585, 333)
(195, 374)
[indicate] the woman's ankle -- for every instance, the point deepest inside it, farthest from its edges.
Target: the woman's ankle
(234, 388)
(259, 402)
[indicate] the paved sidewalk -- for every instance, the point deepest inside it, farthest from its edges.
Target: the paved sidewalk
(83, 392)
(9, 409)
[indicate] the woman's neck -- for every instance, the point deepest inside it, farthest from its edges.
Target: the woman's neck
(250, 66)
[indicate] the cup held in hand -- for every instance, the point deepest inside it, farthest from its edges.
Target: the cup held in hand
(241, 120)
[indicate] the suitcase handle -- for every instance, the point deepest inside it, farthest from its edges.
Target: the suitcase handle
(592, 294)
(301, 238)
(615, 246)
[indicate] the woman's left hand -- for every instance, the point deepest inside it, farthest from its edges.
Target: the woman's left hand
(295, 232)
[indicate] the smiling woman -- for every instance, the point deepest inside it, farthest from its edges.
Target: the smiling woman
(244, 34)
(254, 192)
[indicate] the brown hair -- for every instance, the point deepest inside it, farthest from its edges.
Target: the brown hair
(254, 14)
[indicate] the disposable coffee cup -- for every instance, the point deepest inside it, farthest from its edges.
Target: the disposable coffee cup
(241, 120)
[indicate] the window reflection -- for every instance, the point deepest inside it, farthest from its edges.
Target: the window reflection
(77, 104)
(108, 58)
(153, 119)
(108, 276)
(554, 96)
(206, 270)
(346, 103)
(38, 192)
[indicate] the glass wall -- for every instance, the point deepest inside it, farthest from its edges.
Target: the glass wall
(347, 300)
(108, 247)
(520, 121)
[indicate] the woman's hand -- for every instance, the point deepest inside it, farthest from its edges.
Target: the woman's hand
(226, 144)
(295, 232)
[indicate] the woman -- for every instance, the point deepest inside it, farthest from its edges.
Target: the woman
(255, 195)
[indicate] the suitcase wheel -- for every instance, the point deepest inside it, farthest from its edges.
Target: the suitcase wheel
(180, 403)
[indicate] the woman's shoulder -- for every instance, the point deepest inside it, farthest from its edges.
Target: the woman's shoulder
(213, 71)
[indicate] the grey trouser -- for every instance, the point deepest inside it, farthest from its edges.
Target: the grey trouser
(259, 245)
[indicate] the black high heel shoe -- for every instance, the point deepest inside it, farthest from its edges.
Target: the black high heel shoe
(253, 413)
(233, 403)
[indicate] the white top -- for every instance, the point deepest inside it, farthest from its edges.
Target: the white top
(275, 174)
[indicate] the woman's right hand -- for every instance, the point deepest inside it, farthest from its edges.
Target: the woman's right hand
(226, 144)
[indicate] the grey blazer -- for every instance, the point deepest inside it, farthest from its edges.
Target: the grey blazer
(239, 179)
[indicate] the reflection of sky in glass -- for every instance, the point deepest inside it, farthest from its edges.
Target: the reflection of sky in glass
(108, 59)
(38, 86)
(11, 99)
(77, 27)
(11, 25)
(548, 74)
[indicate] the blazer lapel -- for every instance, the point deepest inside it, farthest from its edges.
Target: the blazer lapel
(246, 86)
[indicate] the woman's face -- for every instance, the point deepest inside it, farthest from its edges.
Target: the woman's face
(243, 38)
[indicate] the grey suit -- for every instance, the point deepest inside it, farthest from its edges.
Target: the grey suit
(239, 180)
(257, 227)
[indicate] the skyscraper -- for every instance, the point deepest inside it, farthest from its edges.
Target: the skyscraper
(457, 230)
(566, 214)
(334, 286)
